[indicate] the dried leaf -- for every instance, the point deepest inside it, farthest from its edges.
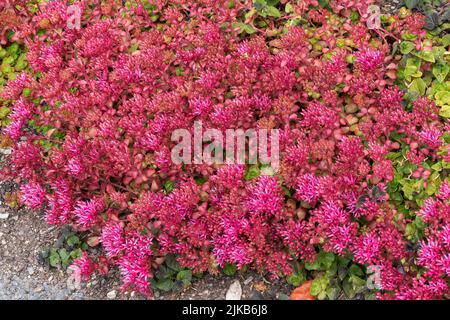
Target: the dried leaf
(303, 292)
(260, 286)
(92, 241)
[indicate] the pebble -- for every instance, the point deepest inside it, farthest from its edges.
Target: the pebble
(30, 270)
(234, 291)
(248, 280)
(38, 289)
(112, 294)
(4, 216)
(6, 151)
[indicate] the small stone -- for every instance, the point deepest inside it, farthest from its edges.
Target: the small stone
(234, 291)
(5, 151)
(4, 216)
(112, 294)
(30, 270)
(248, 280)
(38, 289)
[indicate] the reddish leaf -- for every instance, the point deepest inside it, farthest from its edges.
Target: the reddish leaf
(303, 292)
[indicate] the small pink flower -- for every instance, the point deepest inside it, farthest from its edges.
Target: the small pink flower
(87, 212)
(84, 266)
(369, 60)
(266, 196)
(33, 195)
(112, 239)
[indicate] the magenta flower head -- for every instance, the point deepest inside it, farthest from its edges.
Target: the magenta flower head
(32, 195)
(112, 239)
(87, 212)
(367, 249)
(309, 188)
(84, 266)
(391, 97)
(431, 137)
(369, 60)
(444, 191)
(266, 196)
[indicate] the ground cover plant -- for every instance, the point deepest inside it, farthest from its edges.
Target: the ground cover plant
(360, 203)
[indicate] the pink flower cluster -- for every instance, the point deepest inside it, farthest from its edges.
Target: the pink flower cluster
(114, 91)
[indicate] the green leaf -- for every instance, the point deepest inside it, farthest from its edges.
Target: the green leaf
(252, 173)
(406, 47)
(296, 279)
(343, 262)
(54, 258)
(445, 111)
(312, 266)
(442, 98)
(332, 293)
(288, 8)
(185, 276)
(172, 262)
(267, 170)
(283, 296)
(410, 4)
(164, 284)
(355, 270)
(249, 14)
(322, 295)
(349, 291)
(168, 186)
(440, 71)
(316, 287)
(359, 285)
(426, 55)
(409, 36)
(4, 111)
(446, 40)
(259, 4)
(323, 3)
(411, 72)
(179, 71)
(271, 11)
(437, 166)
(72, 240)
(65, 257)
(75, 254)
(229, 269)
(417, 88)
(249, 29)
(326, 259)
(164, 272)
(244, 27)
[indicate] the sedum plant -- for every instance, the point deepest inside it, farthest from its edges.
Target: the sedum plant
(91, 126)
